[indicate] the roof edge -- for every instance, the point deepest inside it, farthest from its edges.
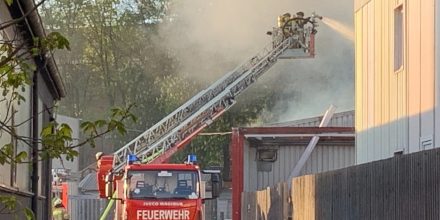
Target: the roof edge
(295, 130)
(35, 27)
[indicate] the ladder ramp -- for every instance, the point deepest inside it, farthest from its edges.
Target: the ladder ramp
(200, 110)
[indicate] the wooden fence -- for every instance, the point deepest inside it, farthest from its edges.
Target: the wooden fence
(272, 203)
(403, 187)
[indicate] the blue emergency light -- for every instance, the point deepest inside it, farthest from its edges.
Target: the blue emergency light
(192, 158)
(132, 159)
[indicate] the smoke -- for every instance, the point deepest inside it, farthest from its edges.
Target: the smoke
(211, 37)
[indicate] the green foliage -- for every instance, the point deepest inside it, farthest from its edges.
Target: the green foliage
(6, 153)
(174, 90)
(57, 139)
(54, 138)
(14, 74)
(9, 202)
(29, 214)
(13, 206)
(116, 59)
(52, 41)
(9, 2)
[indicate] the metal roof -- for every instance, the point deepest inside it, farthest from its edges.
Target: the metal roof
(259, 136)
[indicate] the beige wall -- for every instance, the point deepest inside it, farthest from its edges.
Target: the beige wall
(394, 109)
(21, 119)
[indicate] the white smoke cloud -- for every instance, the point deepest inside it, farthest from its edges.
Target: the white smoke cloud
(212, 36)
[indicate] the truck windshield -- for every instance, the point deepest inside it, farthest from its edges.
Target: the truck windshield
(162, 184)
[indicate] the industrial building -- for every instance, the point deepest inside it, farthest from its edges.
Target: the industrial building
(28, 182)
(265, 156)
(397, 77)
(397, 121)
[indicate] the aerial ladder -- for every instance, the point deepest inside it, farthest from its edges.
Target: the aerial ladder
(293, 38)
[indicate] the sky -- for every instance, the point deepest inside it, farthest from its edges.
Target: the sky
(213, 36)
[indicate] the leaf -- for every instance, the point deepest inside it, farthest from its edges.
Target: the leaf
(115, 112)
(48, 130)
(100, 123)
(7, 149)
(35, 51)
(71, 154)
(88, 127)
(9, 2)
(133, 118)
(21, 156)
(121, 129)
(66, 131)
(10, 202)
(3, 159)
(29, 214)
(111, 125)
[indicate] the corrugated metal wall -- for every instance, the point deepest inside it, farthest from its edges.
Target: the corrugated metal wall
(394, 108)
(86, 207)
(323, 158)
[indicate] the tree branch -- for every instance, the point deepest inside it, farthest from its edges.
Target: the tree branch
(100, 134)
(11, 56)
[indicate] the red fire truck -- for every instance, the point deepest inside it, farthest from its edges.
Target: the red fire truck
(134, 175)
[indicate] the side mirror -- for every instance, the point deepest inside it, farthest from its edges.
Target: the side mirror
(109, 186)
(215, 180)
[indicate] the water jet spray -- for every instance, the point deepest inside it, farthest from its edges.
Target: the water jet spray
(342, 29)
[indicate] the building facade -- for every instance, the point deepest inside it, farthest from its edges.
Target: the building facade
(397, 77)
(264, 156)
(29, 182)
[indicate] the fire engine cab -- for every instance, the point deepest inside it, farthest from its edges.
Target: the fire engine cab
(157, 191)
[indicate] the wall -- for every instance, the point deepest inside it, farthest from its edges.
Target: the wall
(325, 157)
(9, 177)
(23, 197)
(335, 150)
(16, 179)
(224, 204)
(395, 109)
(86, 207)
(403, 187)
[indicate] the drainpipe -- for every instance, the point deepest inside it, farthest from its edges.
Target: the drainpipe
(35, 177)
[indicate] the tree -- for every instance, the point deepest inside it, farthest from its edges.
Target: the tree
(121, 59)
(115, 61)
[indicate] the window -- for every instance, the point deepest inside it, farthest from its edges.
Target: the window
(398, 38)
(159, 184)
